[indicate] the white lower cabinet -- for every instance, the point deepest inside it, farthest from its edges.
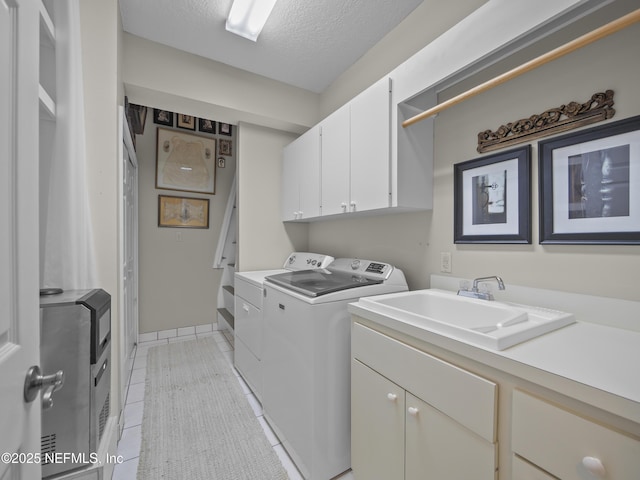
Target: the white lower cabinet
(420, 411)
(440, 448)
(400, 426)
(377, 425)
(248, 333)
(523, 470)
(568, 446)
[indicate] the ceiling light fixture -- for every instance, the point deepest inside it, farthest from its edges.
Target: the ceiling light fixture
(247, 17)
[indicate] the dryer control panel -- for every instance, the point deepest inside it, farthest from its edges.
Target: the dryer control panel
(362, 267)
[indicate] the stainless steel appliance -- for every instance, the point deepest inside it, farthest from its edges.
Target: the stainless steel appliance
(75, 337)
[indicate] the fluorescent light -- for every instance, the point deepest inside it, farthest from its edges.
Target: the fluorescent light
(247, 17)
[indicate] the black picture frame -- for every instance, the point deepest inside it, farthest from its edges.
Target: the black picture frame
(187, 122)
(225, 129)
(492, 198)
(206, 126)
(589, 186)
(163, 117)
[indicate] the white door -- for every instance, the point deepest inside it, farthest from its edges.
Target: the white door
(19, 269)
(130, 256)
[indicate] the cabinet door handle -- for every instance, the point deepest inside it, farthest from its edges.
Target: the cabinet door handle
(413, 411)
(594, 466)
(343, 206)
(353, 206)
(392, 396)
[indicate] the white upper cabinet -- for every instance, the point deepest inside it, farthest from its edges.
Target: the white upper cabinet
(369, 162)
(355, 153)
(336, 162)
(301, 177)
(370, 147)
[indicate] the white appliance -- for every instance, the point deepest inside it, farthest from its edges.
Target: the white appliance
(248, 331)
(306, 358)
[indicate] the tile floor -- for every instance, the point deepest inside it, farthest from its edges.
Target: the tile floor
(129, 446)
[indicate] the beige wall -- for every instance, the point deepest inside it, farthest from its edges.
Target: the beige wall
(100, 26)
(172, 295)
(167, 78)
(414, 241)
(177, 285)
(428, 21)
(264, 241)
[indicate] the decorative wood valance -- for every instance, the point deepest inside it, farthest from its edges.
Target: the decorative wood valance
(552, 121)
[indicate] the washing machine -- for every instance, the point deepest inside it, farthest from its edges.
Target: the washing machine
(306, 358)
(248, 331)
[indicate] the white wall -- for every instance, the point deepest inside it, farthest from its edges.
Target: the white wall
(414, 241)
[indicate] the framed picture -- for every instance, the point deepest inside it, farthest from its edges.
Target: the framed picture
(492, 198)
(206, 126)
(590, 185)
(183, 212)
(188, 122)
(185, 161)
(225, 128)
(137, 116)
(162, 117)
(224, 147)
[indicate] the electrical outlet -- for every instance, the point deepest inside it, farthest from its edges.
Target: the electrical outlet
(445, 262)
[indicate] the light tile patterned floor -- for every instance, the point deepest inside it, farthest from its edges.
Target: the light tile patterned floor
(129, 446)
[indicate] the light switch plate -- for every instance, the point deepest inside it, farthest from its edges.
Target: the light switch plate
(445, 262)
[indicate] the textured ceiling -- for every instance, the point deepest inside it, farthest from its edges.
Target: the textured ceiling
(307, 44)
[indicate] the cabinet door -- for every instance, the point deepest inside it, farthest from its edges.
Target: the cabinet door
(371, 147)
(290, 181)
(438, 447)
(335, 162)
(522, 470)
(301, 177)
(309, 174)
(377, 425)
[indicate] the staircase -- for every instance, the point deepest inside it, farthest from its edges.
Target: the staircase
(225, 258)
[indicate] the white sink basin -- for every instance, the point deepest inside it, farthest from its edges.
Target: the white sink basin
(492, 324)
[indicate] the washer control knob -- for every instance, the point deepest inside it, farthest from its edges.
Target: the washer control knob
(355, 265)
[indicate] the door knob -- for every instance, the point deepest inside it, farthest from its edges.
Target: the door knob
(35, 381)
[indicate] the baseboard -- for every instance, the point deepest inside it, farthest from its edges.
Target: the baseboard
(177, 332)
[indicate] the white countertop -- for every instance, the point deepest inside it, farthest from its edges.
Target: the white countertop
(256, 277)
(595, 364)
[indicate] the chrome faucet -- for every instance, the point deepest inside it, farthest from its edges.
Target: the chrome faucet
(475, 293)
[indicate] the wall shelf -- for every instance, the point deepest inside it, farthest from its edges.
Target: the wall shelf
(46, 26)
(47, 105)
